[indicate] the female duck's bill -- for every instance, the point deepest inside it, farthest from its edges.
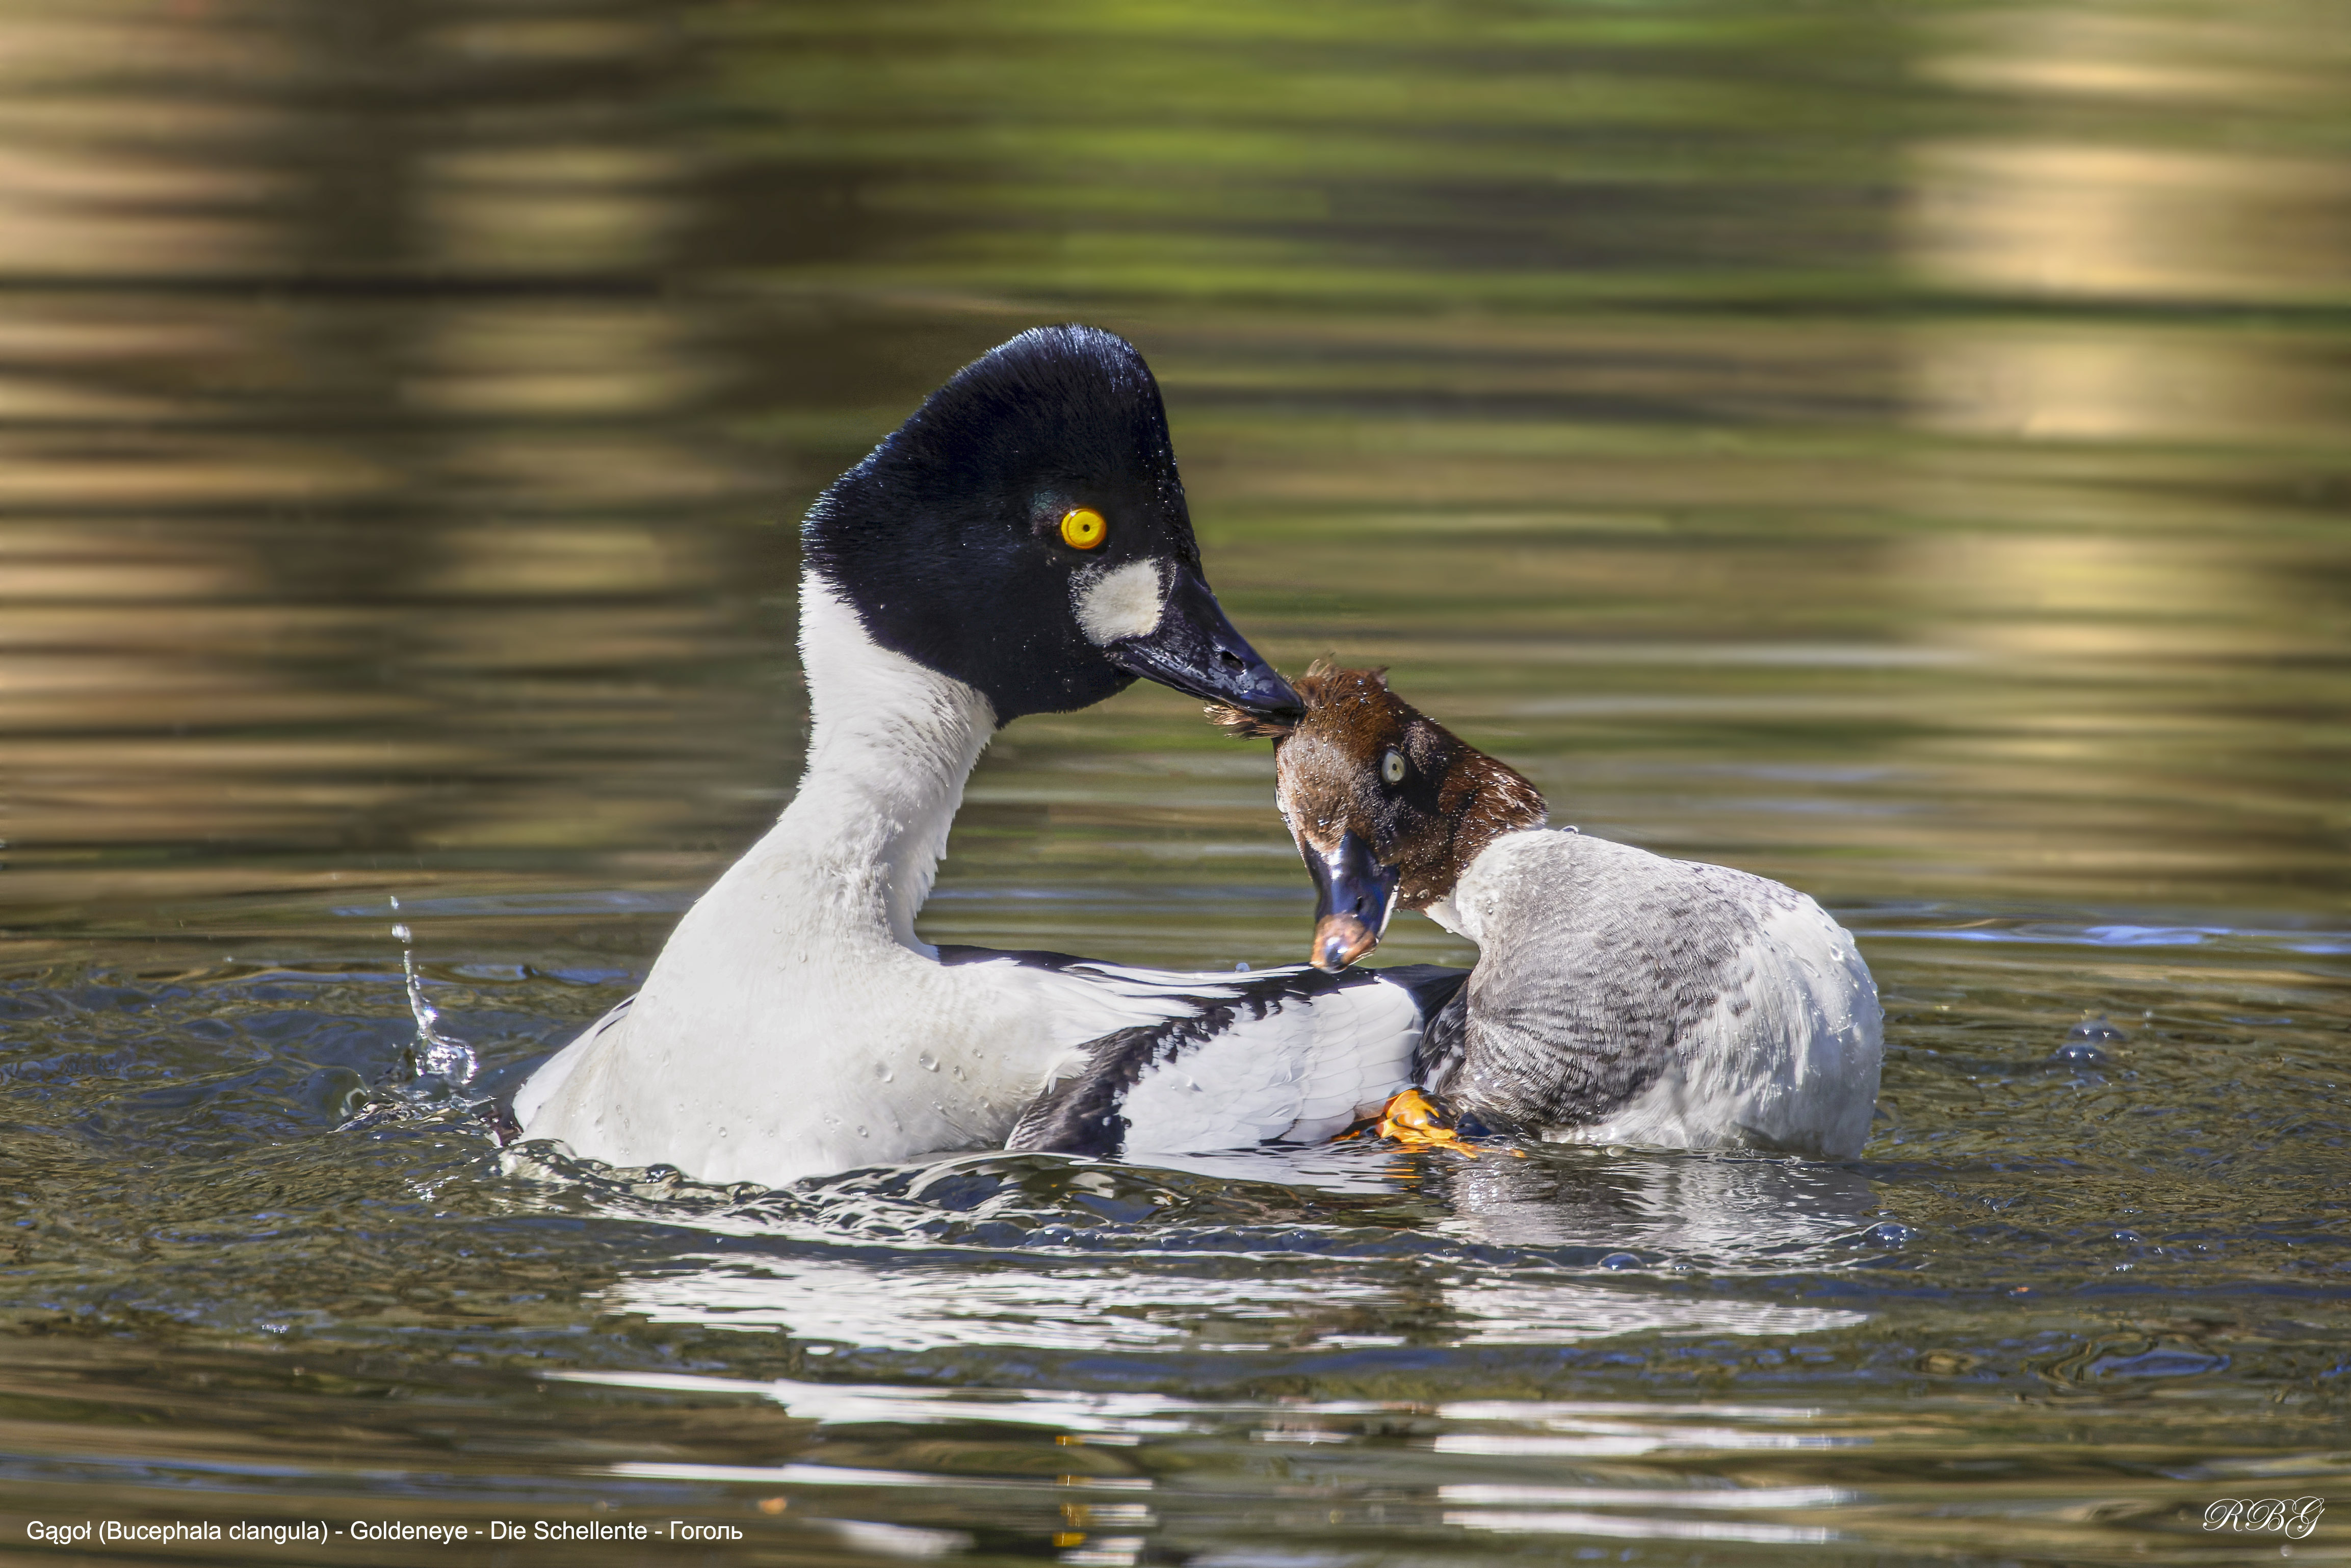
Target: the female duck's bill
(1354, 898)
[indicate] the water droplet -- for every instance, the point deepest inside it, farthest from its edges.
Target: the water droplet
(1242, 968)
(927, 1061)
(957, 1072)
(881, 1071)
(402, 933)
(862, 1133)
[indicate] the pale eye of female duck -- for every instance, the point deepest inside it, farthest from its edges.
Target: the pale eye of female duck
(1392, 767)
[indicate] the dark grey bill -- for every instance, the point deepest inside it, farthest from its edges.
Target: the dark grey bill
(1194, 648)
(1352, 890)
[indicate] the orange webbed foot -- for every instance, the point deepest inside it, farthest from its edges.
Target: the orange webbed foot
(1414, 1119)
(1411, 1120)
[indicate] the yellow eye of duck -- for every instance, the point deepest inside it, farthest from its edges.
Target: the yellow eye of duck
(1391, 767)
(1082, 528)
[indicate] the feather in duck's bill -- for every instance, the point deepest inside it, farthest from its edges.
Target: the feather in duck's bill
(1194, 648)
(1353, 896)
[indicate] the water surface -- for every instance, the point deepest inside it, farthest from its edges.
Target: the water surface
(1898, 452)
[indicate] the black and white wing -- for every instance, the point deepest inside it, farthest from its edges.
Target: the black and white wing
(1291, 1055)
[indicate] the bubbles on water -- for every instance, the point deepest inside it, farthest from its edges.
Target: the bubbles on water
(1888, 1233)
(1619, 1260)
(2085, 1042)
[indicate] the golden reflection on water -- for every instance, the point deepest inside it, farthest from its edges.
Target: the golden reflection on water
(2077, 195)
(2128, 223)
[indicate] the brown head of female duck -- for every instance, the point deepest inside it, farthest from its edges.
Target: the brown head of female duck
(1619, 997)
(1389, 808)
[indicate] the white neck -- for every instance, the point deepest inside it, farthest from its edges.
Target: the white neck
(891, 744)
(1459, 911)
(1464, 908)
(1447, 915)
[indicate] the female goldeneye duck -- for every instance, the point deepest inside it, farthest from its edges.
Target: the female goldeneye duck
(1619, 997)
(1020, 545)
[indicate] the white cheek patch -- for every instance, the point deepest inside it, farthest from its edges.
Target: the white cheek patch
(1121, 603)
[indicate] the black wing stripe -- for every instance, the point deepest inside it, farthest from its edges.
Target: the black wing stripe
(1084, 1113)
(1027, 957)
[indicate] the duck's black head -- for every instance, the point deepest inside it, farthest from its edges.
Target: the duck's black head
(1025, 532)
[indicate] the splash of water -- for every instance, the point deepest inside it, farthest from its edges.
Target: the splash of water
(436, 1054)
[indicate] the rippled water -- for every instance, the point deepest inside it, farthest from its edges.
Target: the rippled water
(1903, 452)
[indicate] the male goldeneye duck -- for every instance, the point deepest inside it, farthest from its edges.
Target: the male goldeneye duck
(1619, 997)
(1020, 545)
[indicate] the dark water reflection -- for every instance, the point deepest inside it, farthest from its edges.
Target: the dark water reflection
(1899, 451)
